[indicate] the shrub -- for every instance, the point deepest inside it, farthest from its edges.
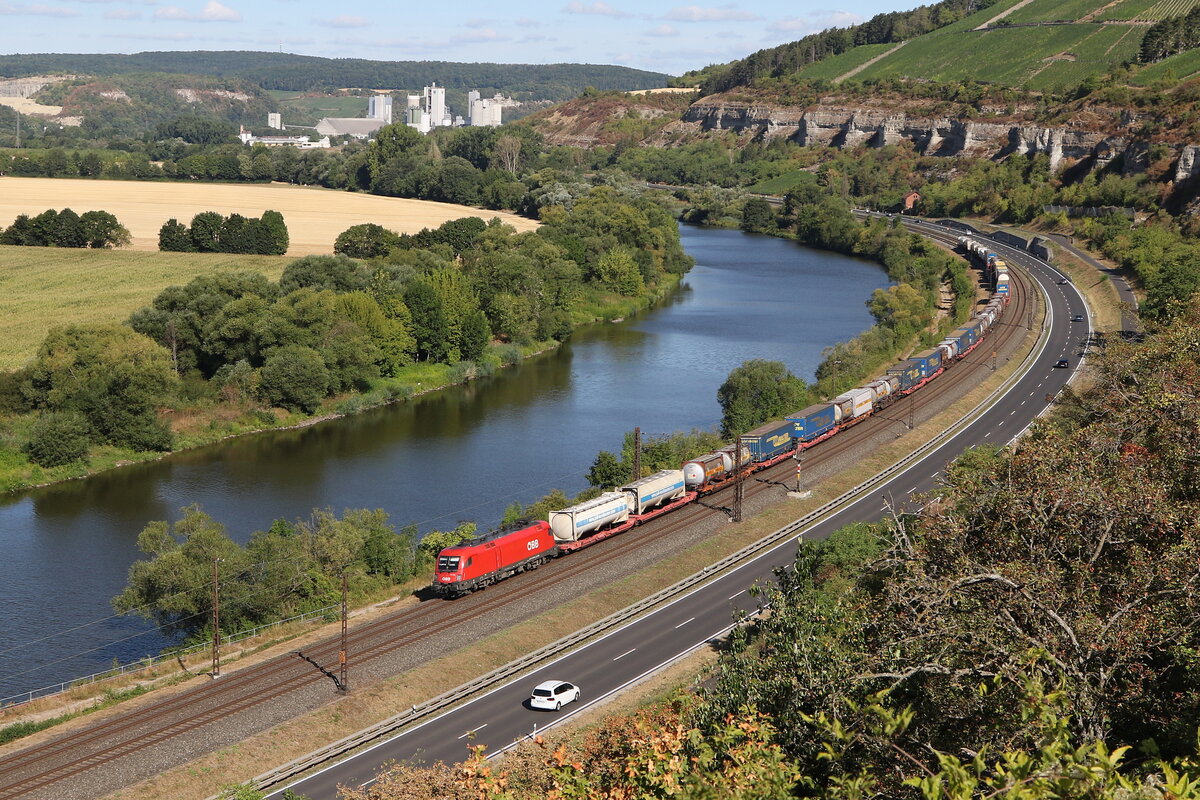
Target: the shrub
(509, 355)
(57, 438)
(295, 377)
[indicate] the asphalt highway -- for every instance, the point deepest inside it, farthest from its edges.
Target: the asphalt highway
(502, 716)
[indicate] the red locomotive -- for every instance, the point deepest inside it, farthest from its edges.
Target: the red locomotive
(482, 561)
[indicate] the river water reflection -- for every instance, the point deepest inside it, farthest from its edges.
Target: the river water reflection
(462, 453)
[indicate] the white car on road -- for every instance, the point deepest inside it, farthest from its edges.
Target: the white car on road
(553, 695)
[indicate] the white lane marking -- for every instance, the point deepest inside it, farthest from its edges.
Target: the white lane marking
(685, 622)
(477, 730)
(739, 594)
(913, 489)
(627, 652)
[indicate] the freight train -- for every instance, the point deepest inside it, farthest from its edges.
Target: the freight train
(485, 560)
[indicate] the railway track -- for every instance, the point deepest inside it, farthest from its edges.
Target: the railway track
(47, 769)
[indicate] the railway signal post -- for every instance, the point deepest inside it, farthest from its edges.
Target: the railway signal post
(343, 683)
(216, 623)
(637, 454)
(739, 482)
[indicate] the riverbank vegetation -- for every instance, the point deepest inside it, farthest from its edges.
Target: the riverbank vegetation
(235, 351)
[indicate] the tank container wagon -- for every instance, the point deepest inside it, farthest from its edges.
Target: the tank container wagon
(485, 560)
(709, 472)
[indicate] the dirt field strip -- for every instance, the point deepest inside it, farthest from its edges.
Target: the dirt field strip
(314, 216)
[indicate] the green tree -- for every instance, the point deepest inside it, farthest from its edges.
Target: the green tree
(205, 231)
(475, 335)
(758, 216)
(275, 234)
(102, 230)
(68, 230)
(607, 471)
(295, 377)
(166, 588)
(389, 334)
(174, 236)
(367, 240)
(619, 272)
(58, 437)
(757, 391)
(112, 375)
(336, 273)
(429, 325)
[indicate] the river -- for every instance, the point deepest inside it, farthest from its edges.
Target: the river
(456, 454)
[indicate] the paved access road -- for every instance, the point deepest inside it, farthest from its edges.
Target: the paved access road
(614, 661)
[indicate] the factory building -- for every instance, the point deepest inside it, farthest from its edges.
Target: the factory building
(299, 142)
(380, 107)
(357, 127)
(485, 112)
(435, 105)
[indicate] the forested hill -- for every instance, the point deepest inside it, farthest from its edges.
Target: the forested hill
(305, 73)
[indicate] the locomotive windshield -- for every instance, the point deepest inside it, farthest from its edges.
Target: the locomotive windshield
(447, 563)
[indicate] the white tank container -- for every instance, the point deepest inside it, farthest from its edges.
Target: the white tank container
(706, 468)
(731, 452)
(654, 490)
(571, 524)
(947, 349)
(858, 401)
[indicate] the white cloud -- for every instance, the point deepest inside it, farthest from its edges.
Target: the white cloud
(599, 7)
(709, 14)
(527, 22)
(485, 35)
(477, 23)
(155, 37)
(344, 21)
(663, 31)
(213, 11)
(122, 13)
(36, 10)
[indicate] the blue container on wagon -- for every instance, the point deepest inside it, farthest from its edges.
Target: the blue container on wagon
(930, 361)
(966, 337)
(908, 373)
(812, 421)
(769, 440)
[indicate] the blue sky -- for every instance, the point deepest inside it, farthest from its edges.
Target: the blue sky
(662, 36)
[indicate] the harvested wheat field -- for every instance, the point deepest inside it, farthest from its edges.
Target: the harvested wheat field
(314, 216)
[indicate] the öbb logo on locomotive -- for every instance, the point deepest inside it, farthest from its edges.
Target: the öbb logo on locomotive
(487, 559)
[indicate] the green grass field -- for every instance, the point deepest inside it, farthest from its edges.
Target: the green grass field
(41, 287)
(836, 66)
(1168, 8)
(300, 109)
(1012, 56)
(1051, 10)
(780, 184)
(1176, 68)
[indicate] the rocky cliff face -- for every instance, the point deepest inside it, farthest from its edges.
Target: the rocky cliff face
(941, 136)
